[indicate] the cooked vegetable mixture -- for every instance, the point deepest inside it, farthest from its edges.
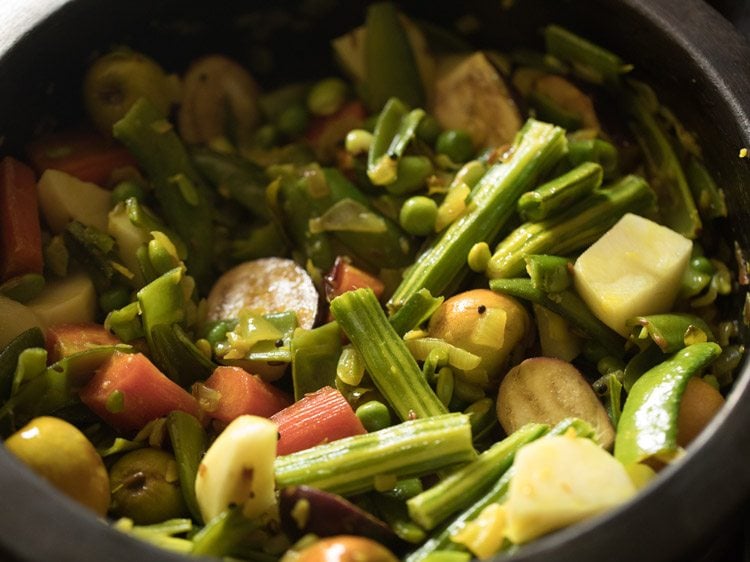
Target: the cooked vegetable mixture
(430, 309)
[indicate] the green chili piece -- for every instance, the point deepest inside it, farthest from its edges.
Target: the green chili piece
(640, 363)
(556, 195)
(350, 465)
(390, 64)
(185, 200)
(671, 332)
(648, 426)
(537, 148)
(389, 363)
(176, 354)
(189, 443)
(568, 305)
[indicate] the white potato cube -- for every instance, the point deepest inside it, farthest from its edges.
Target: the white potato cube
(634, 269)
(561, 480)
(64, 198)
(71, 299)
(15, 318)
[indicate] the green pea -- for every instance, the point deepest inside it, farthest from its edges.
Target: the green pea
(127, 189)
(428, 130)
(418, 215)
(455, 144)
(267, 136)
(374, 415)
(327, 96)
(293, 120)
(358, 141)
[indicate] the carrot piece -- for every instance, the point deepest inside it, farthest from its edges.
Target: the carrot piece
(129, 391)
(20, 233)
(63, 340)
(86, 155)
(319, 417)
(243, 393)
(345, 277)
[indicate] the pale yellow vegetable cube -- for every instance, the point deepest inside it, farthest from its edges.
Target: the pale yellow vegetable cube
(69, 300)
(634, 269)
(15, 318)
(561, 480)
(64, 198)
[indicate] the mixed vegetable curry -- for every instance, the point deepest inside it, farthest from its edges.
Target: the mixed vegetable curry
(430, 309)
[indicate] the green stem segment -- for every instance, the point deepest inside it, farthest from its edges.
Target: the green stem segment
(387, 359)
(556, 195)
(575, 228)
(648, 425)
(189, 442)
(537, 148)
(351, 465)
(464, 486)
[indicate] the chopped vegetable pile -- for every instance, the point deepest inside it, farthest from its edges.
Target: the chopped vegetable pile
(430, 309)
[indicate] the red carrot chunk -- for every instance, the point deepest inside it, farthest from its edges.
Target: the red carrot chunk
(86, 155)
(345, 277)
(129, 391)
(240, 392)
(20, 232)
(319, 417)
(63, 340)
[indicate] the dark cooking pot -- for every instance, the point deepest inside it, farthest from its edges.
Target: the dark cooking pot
(699, 64)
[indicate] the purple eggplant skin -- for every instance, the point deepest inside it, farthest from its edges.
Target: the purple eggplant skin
(325, 514)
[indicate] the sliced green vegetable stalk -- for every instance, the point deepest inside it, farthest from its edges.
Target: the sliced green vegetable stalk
(589, 61)
(189, 443)
(575, 228)
(234, 177)
(676, 204)
(538, 147)
(389, 363)
(353, 464)
(648, 426)
(390, 64)
(464, 486)
(568, 305)
(441, 537)
(315, 355)
(186, 202)
(556, 195)
(671, 332)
